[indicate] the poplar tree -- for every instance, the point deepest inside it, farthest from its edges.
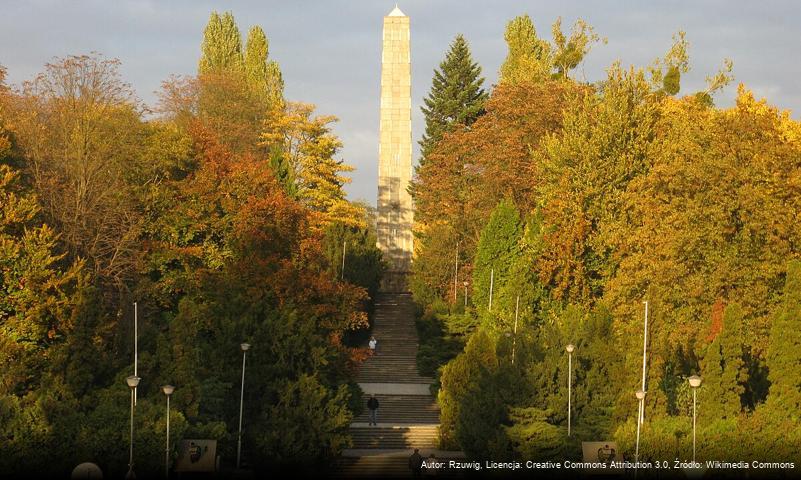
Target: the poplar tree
(784, 349)
(222, 45)
(263, 75)
(456, 96)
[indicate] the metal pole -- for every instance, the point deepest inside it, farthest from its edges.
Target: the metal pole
(130, 459)
(167, 455)
(637, 449)
(344, 243)
(492, 281)
(644, 351)
(569, 388)
(241, 402)
(694, 389)
(136, 347)
(465, 296)
(514, 339)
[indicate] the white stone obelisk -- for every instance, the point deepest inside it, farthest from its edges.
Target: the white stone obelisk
(395, 209)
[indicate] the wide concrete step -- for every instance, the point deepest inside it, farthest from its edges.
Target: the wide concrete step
(404, 409)
(423, 436)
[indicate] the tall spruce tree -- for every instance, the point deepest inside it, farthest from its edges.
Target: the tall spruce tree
(456, 96)
(784, 350)
(724, 370)
(222, 45)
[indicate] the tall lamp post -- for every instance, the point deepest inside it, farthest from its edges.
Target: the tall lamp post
(132, 382)
(641, 416)
(167, 389)
(570, 347)
(640, 398)
(245, 347)
(466, 283)
(695, 382)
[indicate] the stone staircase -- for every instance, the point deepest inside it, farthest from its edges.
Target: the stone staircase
(408, 416)
(403, 409)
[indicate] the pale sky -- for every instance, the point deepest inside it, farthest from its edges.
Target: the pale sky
(330, 50)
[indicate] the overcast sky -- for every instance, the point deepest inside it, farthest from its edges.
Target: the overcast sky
(330, 50)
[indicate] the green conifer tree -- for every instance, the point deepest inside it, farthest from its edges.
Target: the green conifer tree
(456, 96)
(723, 369)
(784, 349)
(498, 248)
(222, 45)
(529, 57)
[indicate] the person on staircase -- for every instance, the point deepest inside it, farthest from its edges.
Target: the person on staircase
(373, 344)
(416, 463)
(372, 406)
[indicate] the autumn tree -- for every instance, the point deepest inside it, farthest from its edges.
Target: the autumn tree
(237, 89)
(263, 74)
(309, 148)
(81, 128)
(569, 51)
(35, 310)
(529, 57)
(457, 190)
(222, 45)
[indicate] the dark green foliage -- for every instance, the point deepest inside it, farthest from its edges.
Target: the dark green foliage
(438, 342)
(461, 379)
(723, 369)
(498, 250)
(433, 270)
(672, 81)
(784, 349)
(456, 97)
(283, 172)
(534, 436)
(363, 260)
(307, 425)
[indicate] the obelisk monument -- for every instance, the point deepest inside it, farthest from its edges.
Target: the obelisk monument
(395, 214)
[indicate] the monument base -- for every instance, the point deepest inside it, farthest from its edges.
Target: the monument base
(395, 281)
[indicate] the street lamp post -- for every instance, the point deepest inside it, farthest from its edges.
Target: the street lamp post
(167, 389)
(640, 398)
(245, 347)
(641, 416)
(570, 347)
(466, 283)
(132, 382)
(695, 382)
